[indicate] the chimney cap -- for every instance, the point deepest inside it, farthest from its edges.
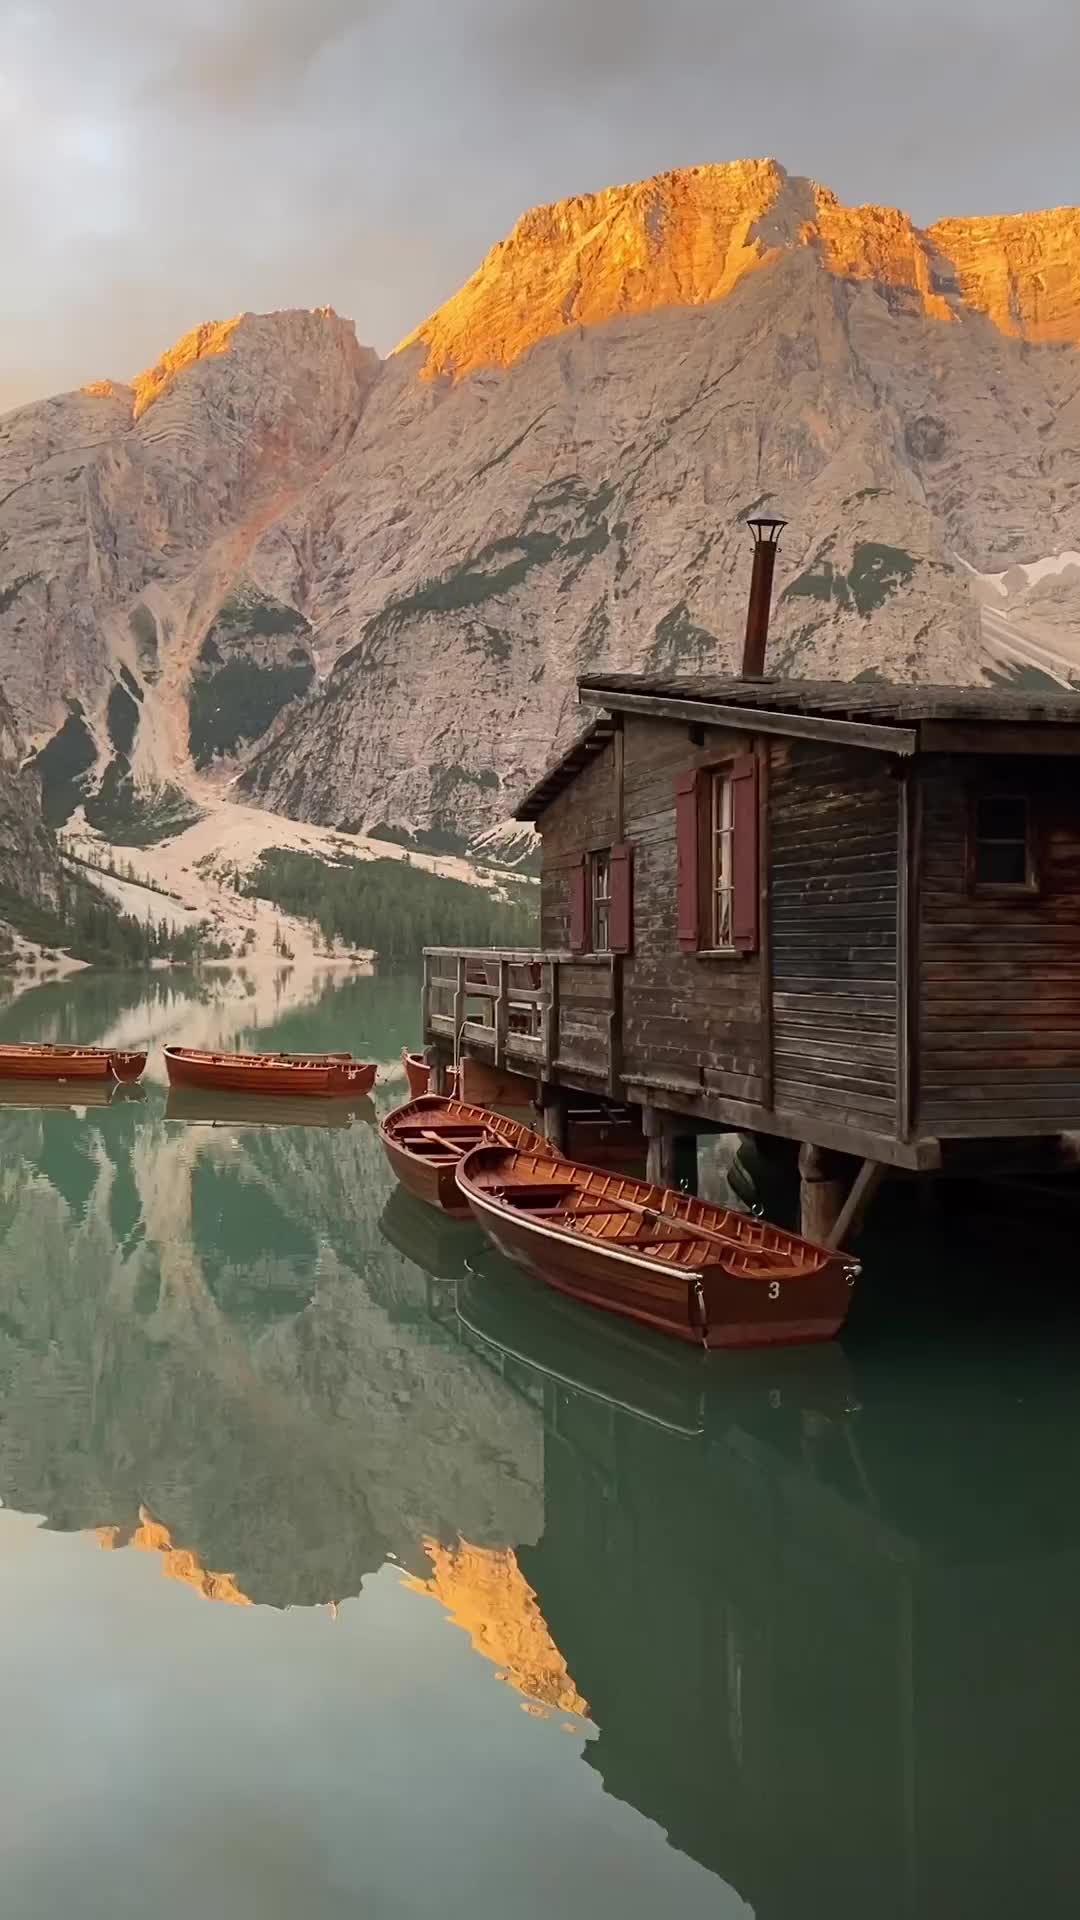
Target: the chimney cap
(767, 528)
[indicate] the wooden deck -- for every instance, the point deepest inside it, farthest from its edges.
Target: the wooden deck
(547, 1015)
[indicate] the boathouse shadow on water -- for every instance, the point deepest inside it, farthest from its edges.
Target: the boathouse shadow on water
(822, 1604)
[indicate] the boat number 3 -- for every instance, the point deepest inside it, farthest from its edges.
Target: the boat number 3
(774, 1290)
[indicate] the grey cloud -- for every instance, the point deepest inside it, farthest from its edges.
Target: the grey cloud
(258, 51)
(167, 164)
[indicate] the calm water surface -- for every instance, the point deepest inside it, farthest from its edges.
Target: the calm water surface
(344, 1572)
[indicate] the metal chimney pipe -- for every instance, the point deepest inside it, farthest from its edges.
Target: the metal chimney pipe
(766, 534)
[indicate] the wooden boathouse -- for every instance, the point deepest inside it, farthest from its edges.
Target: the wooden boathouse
(846, 914)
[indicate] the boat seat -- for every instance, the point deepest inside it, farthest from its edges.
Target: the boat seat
(536, 1196)
(462, 1136)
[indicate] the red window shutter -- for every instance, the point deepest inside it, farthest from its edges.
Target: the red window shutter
(688, 857)
(579, 907)
(621, 934)
(744, 854)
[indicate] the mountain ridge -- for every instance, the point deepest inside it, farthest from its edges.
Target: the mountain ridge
(272, 555)
(688, 236)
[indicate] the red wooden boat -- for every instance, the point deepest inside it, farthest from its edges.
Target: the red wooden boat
(335, 1074)
(418, 1074)
(698, 1271)
(34, 1060)
(425, 1141)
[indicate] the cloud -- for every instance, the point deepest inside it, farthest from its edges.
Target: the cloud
(258, 52)
(167, 164)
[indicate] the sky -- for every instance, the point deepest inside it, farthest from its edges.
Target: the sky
(166, 162)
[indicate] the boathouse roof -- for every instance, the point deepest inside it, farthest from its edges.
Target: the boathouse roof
(874, 714)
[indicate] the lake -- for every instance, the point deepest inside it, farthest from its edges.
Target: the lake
(344, 1571)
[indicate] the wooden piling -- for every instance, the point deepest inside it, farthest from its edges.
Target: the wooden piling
(822, 1190)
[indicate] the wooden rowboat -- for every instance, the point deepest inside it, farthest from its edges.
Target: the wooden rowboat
(425, 1140)
(691, 1269)
(619, 1361)
(418, 1074)
(35, 1060)
(325, 1074)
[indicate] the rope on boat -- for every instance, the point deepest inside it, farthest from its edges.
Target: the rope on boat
(700, 1312)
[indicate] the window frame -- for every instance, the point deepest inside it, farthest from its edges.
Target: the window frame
(739, 765)
(595, 900)
(1030, 887)
(717, 774)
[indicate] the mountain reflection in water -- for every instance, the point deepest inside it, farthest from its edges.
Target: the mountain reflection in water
(812, 1612)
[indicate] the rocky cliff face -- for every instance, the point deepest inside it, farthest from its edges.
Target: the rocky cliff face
(29, 863)
(548, 477)
(126, 518)
(551, 474)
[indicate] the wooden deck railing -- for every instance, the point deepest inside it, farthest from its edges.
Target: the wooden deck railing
(524, 1010)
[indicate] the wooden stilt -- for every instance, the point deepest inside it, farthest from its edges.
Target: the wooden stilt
(555, 1120)
(821, 1193)
(438, 1062)
(853, 1211)
(660, 1157)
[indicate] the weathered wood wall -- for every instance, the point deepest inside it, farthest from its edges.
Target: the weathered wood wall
(686, 1020)
(834, 828)
(818, 1024)
(582, 818)
(998, 1034)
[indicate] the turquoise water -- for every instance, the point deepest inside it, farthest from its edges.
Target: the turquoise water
(345, 1572)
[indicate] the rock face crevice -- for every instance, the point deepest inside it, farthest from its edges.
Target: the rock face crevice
(29, 864)
(550, 476)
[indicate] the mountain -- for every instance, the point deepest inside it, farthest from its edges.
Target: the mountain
(126, 517)
(29, 859)
(366, 588)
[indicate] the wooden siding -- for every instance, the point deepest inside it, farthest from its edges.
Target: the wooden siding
(582, 818)
(885, 1008)
(834, 830)
(686, 1020)
(999, 978)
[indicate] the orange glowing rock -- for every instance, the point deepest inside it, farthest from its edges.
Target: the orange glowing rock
(690, 237)
(486, 1594)
(202, 343)
(177, 1563)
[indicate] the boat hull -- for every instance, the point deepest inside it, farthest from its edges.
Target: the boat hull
(329, 1078)
(417, 1073)
(435, 1185)
(426, 1162)
(658, 1301)
(129, 1067)
(711, 1279)
(70, 1063)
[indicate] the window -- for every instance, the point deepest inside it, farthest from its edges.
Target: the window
(716, 836)
(1003, 853)
(600, 900)
(721, 865)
